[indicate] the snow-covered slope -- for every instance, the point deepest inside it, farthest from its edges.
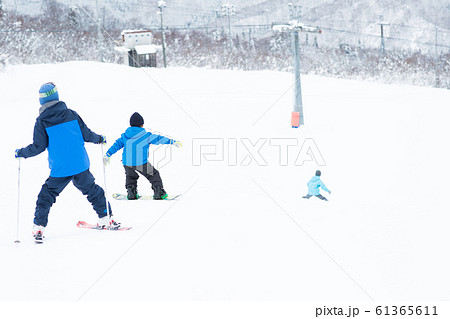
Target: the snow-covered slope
(240, 231)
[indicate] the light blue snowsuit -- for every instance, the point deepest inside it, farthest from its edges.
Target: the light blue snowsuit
(314, 186)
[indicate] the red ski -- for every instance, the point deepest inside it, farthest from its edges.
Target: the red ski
(82, 224)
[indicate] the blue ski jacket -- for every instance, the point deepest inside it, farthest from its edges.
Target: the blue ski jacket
(62, 132)
(314, 186)
(135, 143)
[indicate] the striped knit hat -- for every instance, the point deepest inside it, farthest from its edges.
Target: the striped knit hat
(48, 92)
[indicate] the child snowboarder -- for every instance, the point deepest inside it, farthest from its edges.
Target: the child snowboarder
(314, 186)
(62, 132)
(135, 142)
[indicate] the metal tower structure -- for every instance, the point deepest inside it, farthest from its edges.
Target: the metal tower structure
(294, 26)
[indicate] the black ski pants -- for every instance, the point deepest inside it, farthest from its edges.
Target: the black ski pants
(146, 170)
(53, 186)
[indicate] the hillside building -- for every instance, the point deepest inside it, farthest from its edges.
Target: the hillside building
(138, 48)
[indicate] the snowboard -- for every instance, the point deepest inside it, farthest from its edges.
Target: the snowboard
(146, 197)
(85, 225)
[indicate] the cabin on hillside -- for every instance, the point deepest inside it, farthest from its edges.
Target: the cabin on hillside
(138, 49)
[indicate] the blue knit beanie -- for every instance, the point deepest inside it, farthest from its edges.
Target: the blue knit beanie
(47, 93)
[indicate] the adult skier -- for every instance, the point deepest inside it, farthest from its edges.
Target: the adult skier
(135, 142)
(62, 132)
(314, 185)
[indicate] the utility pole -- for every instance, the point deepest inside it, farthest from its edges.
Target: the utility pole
(436, 63)
(382, 24)
(99, 35)
(294, 26)
(229, 10)
(161, 5)
(217, 13)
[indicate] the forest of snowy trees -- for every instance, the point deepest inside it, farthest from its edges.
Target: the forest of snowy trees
(65, 33)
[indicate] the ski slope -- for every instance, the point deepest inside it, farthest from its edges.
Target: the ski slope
(241, 231)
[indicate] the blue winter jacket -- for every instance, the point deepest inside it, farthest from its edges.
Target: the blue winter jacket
(136, 142)
(314, 186)
(62, 132)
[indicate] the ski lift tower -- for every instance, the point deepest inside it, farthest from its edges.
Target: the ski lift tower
(294, 26)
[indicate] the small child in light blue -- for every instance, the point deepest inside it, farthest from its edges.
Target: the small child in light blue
(314, 186)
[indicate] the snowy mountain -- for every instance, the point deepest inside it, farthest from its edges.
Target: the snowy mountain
(241, 230)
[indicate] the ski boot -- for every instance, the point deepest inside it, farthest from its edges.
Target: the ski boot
(132, 193)
(107, 223)
(38, 233)
(160, 193)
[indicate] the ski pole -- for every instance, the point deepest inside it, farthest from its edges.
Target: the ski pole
(106, 190)
(17, 241)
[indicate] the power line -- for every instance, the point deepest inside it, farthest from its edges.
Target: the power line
(386, 37)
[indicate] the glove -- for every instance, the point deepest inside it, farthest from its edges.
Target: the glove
(106, 159)
(103, 141)
(329, 192)
(177, 144)
(16, 154)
